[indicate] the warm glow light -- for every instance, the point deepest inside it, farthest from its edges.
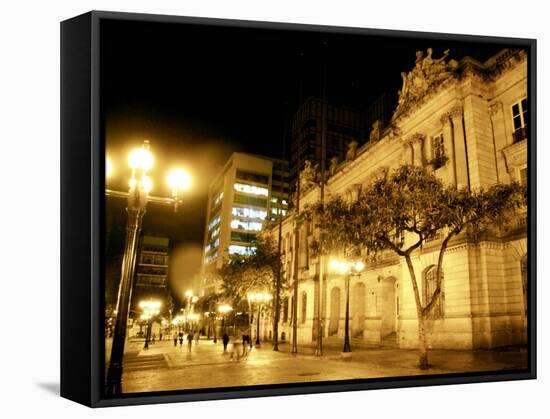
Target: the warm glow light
(179, 180)
(344, 267)
(359, 266)
(108, 168)
(188, 293)
(337, 265)
(149, 304)
(140, 158)
(146, 184)
(258, 297)
(224, 308)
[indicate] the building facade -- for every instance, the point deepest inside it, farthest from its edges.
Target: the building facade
(466, 122)
(249, 191)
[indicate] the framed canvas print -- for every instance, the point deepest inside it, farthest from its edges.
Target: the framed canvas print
(254, 209)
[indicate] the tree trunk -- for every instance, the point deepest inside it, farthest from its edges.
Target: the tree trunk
(423, 348)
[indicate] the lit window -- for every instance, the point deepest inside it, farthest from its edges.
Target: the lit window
(217, 199)
(207, 249)
(237, 249)
(249, 213)
(519, 115)
(251, 189)
(214, 223)
(211, 257)
(215, 232)
(274, 199)
(246, 225)
(278, 211)
(216, 242)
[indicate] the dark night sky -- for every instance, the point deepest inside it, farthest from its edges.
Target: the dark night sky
(198, 93)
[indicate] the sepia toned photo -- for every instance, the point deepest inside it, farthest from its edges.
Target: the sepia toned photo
(288, 206)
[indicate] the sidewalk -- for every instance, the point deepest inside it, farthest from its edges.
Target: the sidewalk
(165, 367)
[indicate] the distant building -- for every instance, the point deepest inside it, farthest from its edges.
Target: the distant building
(249, 191)
(151, 275)
(381, 110)
(343, 126)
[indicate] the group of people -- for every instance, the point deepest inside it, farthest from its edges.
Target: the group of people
(236, 351)
(240, 347)
(178, 336)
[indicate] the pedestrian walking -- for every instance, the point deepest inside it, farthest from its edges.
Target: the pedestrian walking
(246, 342)
(181, 338)
(225, 341)
(154, 337)
(160, 336)
(189, 341)
(236, 349)
(175, 339)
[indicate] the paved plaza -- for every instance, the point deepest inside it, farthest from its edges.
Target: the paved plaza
(164, 367)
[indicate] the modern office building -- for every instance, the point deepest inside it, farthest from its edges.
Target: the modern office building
(467, 123)
(249, 191)
(343, 125)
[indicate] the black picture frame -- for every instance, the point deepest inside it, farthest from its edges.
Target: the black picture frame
(82, 204)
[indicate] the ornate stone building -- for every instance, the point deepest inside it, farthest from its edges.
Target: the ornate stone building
(465, 121)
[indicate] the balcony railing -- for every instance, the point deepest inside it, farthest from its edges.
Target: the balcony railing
(520, 134)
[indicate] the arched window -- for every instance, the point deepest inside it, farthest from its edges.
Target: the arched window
(524, 280)
(429, 286)
(285, 309)
(304, 307)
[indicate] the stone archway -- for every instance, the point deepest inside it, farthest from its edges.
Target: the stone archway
(387, 306)
(334, 320)
(359, 307)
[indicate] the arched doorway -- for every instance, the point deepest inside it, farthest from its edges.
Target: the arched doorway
(334, 311)
(386, 304)
(359, 306)
(524, 281)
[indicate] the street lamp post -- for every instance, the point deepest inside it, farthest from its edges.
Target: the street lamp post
(348, 269)
(223, 310)
(258, 298)
(140, 161)
(150, 309)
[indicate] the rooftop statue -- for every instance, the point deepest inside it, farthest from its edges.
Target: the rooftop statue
(308, 175)
(352, 150)
(427, 72)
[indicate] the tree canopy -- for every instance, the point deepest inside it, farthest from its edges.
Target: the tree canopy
(256, 272)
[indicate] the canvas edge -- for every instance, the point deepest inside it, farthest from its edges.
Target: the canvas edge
(97, 153)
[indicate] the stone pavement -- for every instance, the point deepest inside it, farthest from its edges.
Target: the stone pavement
(164, 367)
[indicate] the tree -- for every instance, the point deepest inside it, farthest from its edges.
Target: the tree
(403, 209)
(242, 274)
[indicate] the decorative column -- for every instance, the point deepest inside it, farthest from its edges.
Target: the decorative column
(428, 154)
(448, 145)
(499, 138)
(461, 154)
(416, 142)
(406, 154)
